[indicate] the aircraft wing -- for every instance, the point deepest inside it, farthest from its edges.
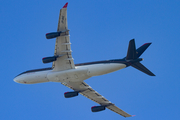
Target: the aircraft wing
(63, 45)
(85, 90)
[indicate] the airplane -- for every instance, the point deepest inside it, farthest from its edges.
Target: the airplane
(72, 75)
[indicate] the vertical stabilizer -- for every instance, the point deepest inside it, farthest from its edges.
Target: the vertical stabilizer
(131, 54)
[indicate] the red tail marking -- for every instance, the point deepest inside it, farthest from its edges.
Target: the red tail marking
(65, 6)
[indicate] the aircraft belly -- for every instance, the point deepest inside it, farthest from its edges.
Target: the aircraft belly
(100, 69)
(72, 75)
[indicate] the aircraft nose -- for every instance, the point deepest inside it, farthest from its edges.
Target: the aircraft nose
(18, 80)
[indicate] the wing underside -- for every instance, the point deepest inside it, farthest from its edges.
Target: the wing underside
(63, 44)
(88, 92)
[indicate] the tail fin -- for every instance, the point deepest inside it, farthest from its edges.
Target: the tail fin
(133, 56)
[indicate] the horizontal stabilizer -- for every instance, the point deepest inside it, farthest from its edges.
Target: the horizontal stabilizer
(141, 49)
(142, 68)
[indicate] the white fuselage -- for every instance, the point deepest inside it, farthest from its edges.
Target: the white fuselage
(80, 73)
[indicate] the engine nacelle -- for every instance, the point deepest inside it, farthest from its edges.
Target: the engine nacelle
(52, 35)
(97, 108)
(49, 59)
(70, 94)
(56, 34)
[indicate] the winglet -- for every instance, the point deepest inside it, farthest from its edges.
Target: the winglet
(133, 115)
(65, 6)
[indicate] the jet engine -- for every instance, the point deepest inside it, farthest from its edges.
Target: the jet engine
(52, 35)
(56, 34)
(97, 108)
(49, 59)
(71, 94)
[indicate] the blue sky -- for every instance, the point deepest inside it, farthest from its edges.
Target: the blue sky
(99, 30)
